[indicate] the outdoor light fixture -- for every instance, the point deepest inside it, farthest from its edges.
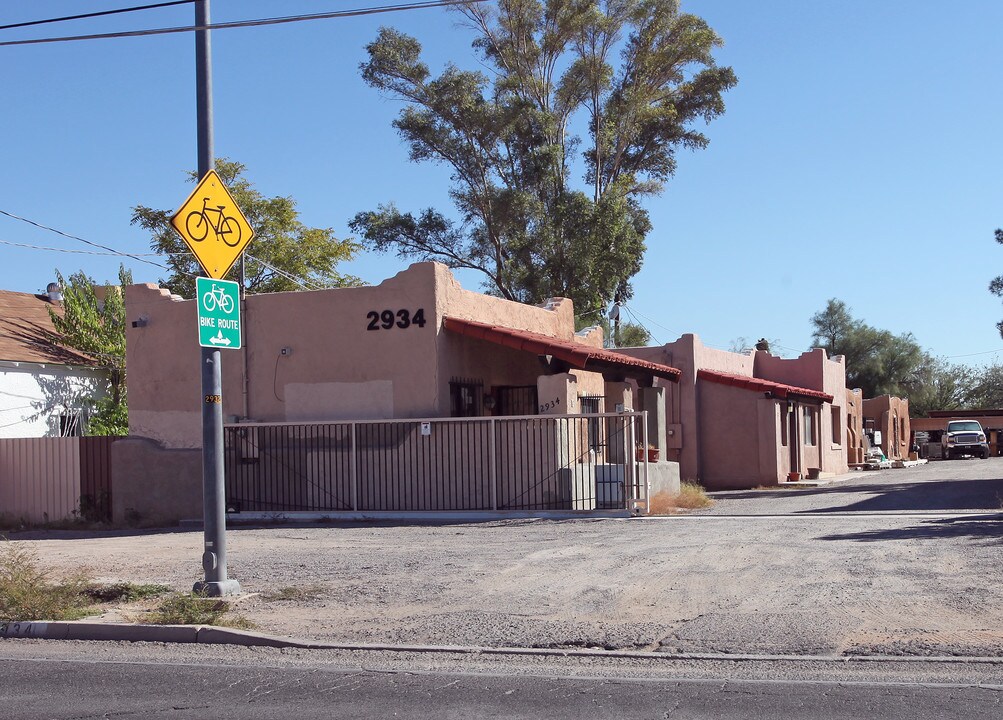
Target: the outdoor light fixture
(489, 402)
(143, 321)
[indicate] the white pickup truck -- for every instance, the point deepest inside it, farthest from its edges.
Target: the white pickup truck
(964, 437)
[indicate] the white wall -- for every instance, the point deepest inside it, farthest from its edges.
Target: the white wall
(33, 396)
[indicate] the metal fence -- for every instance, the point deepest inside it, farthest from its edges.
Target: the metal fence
(49, 479)
(526, 463)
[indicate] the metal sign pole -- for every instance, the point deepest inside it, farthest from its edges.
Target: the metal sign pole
(216, 583)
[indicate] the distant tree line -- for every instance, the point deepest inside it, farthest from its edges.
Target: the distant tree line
(880, 362)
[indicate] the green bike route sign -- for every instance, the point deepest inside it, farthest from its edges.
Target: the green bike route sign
(219, 313)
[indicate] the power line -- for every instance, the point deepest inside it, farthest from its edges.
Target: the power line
(302, 282)
(80, 239)
(641, 324)
(69, 250)
(95, 14)
(247, 23)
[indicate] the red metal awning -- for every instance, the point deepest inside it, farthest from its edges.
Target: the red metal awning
(749, 383)
(582, 357)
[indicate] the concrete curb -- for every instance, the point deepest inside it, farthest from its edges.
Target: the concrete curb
(226, 636)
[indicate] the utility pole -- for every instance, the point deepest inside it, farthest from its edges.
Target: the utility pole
(216, 583)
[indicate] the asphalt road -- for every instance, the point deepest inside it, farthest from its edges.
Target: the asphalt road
(39, 688)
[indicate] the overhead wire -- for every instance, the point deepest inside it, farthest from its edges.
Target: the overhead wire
(80, 239)
(246, 23)
(99, 13)
(641, 324)
(76, 252)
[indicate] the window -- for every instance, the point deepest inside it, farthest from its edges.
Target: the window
(809, 426)
(592, 404)
(71, 424)
(784, 423)
(465, 397)
(837, 428)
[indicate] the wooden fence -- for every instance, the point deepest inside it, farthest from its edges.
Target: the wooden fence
(49, 479)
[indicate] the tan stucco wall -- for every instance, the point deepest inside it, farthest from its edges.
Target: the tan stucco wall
(854, 425)
(711, 441)
(319, 356)
(890, 415)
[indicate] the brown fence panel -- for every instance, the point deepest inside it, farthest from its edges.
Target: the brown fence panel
(95, 478)
(39, 478)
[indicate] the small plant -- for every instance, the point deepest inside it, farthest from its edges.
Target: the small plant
(124, 592)
(691, 496)
(28, 593)
(294, 594)
(196, 609)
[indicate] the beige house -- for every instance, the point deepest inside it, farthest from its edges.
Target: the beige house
(741, 420)
(416, 346)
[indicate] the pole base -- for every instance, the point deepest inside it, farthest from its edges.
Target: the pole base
(223, 588)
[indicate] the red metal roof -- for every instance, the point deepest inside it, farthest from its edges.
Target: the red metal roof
(574, 354)
(749, 383)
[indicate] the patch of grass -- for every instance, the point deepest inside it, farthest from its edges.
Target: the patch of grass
(691, 496)
(28, 592)
(124, 592)
(294, 594)
(194, 609)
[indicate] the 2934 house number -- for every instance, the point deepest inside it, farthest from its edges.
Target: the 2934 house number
(389, 319)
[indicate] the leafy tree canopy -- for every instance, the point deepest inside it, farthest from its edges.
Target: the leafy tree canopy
(284, 255)
(637, 75)
(879, 362)
(95, 326)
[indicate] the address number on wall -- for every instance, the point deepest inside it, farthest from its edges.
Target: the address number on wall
(389, 319)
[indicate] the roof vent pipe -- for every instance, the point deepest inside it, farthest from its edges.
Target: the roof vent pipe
(54, 292)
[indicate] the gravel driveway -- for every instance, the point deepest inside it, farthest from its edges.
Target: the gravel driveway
(883, 562)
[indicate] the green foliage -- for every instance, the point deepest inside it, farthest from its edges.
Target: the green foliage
(996, 285)
(124, 592)
(985, 387)
(28, 593)
(294, 593)
(630, 334)
(194, 609)
(282, 251)
(879, 362)
(511, 146)
(96, 327)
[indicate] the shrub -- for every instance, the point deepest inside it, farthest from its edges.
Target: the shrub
(195, 609)
(28, 593)
(691, 496)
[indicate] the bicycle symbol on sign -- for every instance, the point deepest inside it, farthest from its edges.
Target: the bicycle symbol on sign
(226, 227)
(216, 297)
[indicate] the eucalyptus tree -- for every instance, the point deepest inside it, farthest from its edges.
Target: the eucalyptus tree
(607, 91)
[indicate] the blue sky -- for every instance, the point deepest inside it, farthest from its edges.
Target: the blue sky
(858, 158)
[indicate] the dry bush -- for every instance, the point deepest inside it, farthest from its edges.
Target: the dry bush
(28, 593)
(691, 496)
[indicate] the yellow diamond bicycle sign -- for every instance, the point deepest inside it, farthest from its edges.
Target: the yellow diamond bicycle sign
(213, 226)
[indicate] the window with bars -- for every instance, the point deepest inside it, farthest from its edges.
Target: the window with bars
(466, 397)
(593, 404)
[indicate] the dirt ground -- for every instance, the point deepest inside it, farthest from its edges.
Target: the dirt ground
(882, 563)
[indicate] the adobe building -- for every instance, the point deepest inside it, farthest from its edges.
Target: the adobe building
(415, 346)
(889, 415)
(856, 447)
(742, 420)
